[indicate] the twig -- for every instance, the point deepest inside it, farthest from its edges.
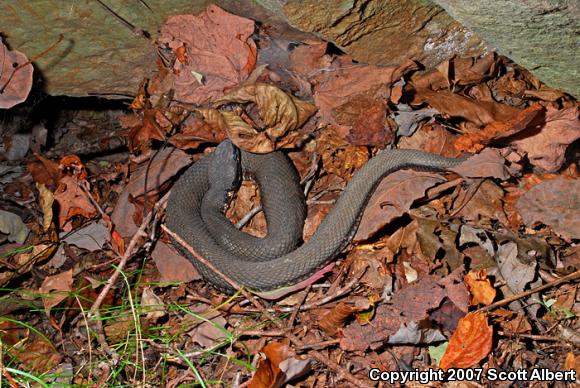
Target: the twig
(567, 278)
(245, 219)
(340, 371)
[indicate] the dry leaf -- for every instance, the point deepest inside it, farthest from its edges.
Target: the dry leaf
(476, 141)
(12, 225)
(279, 367)
(334, 320)
(45, 199)
(393, 198)
(172, 266)
(554, 203)
(15, 81)
(55, 289)
(216, 51)
(546, 146)
(480, 288)
(280, 113)
(471, 342)
(487, 164)
(73, 201)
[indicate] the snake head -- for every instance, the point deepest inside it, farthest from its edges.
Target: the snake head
(225, 172)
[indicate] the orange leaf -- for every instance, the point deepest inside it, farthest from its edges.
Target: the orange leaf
(480, 288)
(470, 343)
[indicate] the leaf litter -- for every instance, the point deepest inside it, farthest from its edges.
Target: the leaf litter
(433, 258)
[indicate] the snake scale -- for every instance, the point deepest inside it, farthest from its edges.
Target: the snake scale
(197, 200)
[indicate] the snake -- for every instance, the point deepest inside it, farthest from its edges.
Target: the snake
(196, 205)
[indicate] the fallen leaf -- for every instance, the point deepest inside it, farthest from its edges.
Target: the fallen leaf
(45, 199)
(152, 304)
(93, 236)
(54, 289)
(432, 138)
(204, 126)
(393, 198)
(172, 266)
(166, 164)
(480, 288)
(343, 83)
(210, 332)
(471, 342)
(409, 119)
(73, 201)
(478, 113)
(278, 367)
(334, 319)
(280, 113)
(407, 313)
(308, 59)
(219, 53)
(13, 226)
(476, 141)
(554, 203)
(487, 164)
(15, 81)
(517, 274)
(546, 146)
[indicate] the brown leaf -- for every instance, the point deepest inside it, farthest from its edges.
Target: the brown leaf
(219, 53)
(480, 288)
(165, 165)
(471, 342)
(554, 203)
(172, 266)
(207, 126)
(393, 198)
(546, 146)
(432, 138)
(469, 71)
(486, 204)
(45, 199)
(334, 320)
(72, 200)
(487, 164)
(15, 81)
(346, 82)
(410, 305)
(475, 141)
(278, 367)
(280, 113)
(55, 289)
(365, 116)
(307, 59)
(478, 113)
(44, 171)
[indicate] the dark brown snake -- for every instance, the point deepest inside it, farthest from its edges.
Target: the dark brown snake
(197, 200)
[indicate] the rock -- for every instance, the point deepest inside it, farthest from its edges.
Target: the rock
(385, 32)
(542, 36)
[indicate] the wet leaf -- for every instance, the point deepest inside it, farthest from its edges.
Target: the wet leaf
(471, 342)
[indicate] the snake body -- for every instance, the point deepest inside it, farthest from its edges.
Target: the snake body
(197, 198)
